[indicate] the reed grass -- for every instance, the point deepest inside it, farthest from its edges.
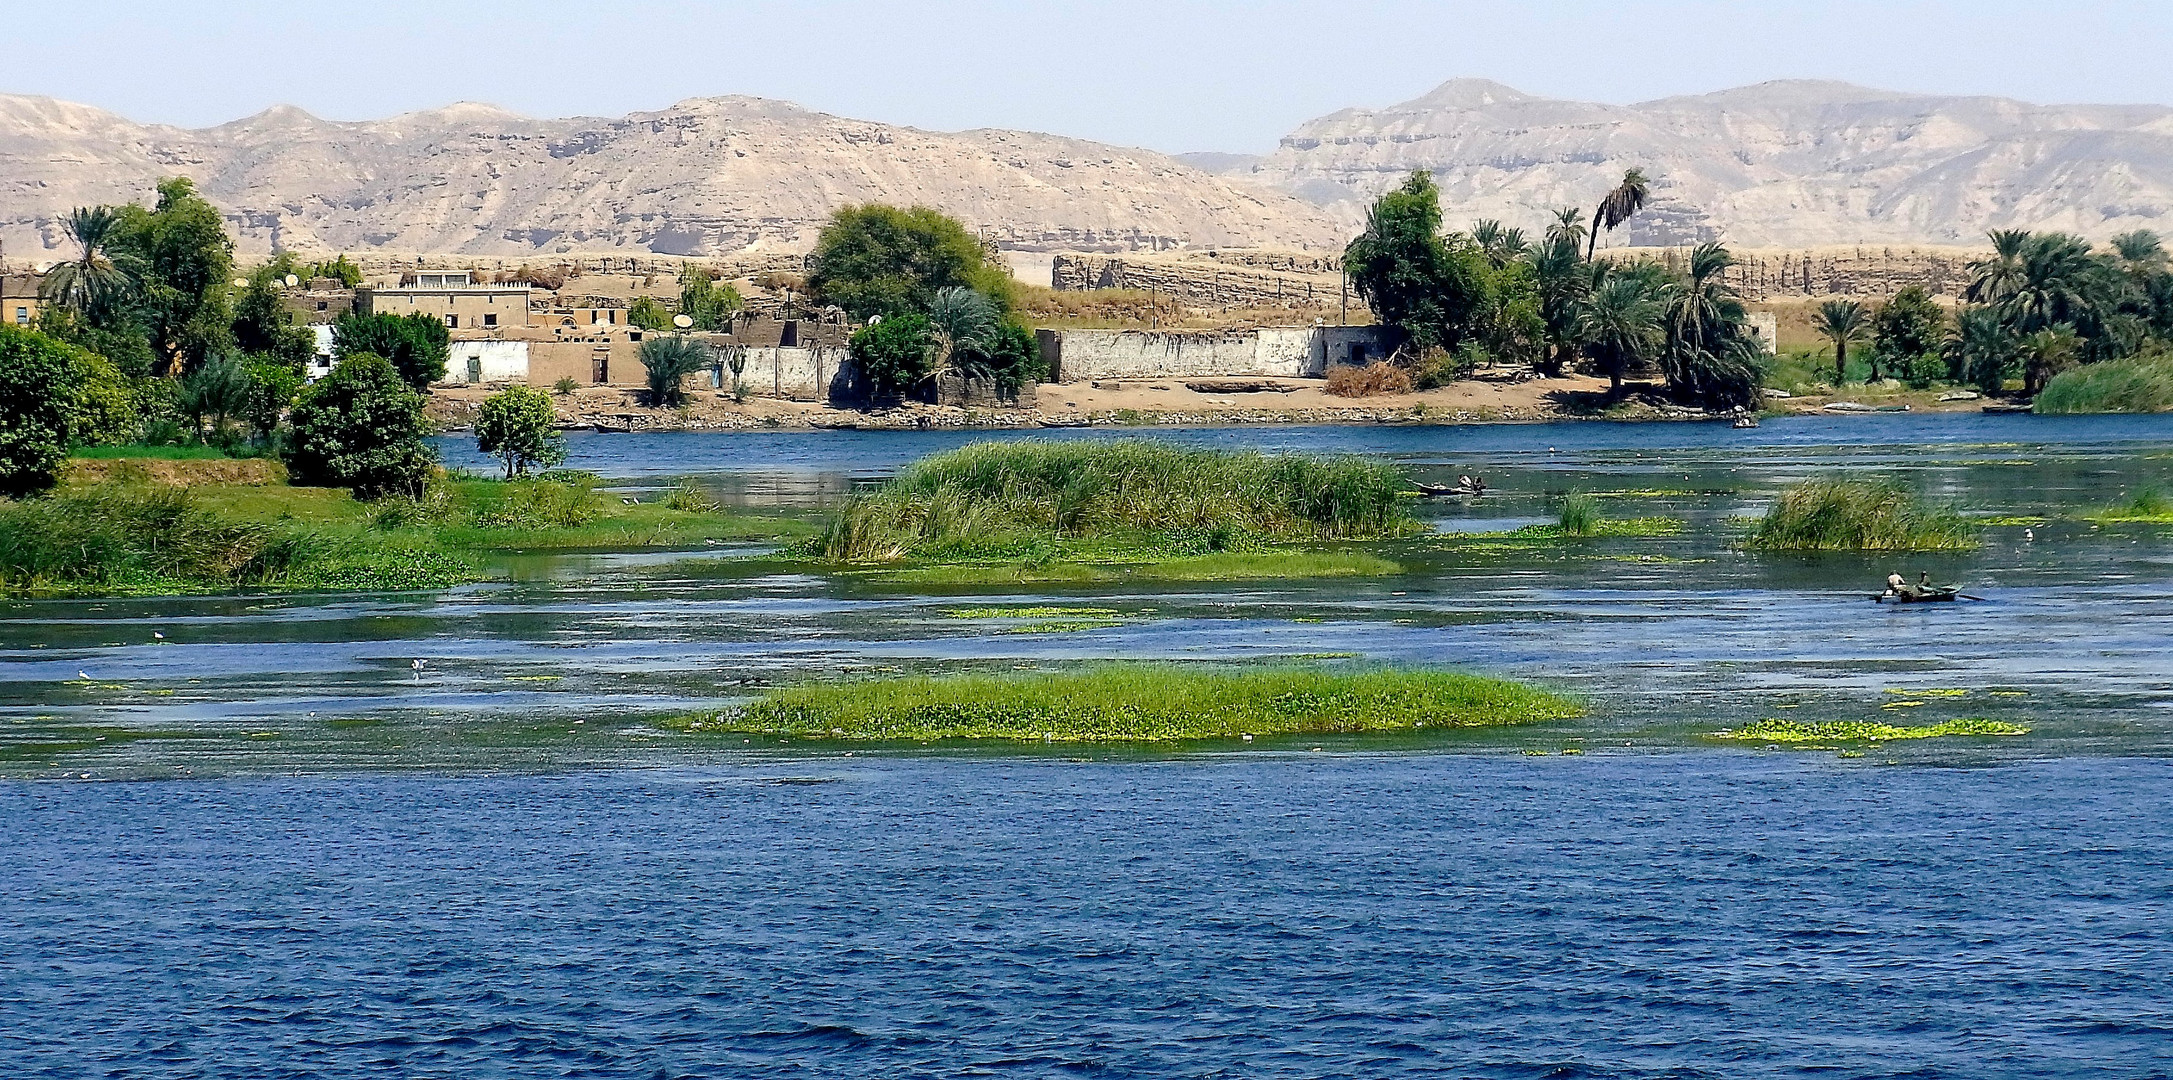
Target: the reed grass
(1579, 514)
(2149, 506)
(994, 497)
(1859, 515)
(1153, 702)
(2142, 384)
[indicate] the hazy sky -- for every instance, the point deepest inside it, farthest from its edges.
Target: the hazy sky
(1169, 74)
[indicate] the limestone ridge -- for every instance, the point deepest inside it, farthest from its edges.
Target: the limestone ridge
(1791, 163)
(705, 176)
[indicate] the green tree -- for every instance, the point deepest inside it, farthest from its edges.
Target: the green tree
(1618, 206)
(361, 428)
(39, 385)
(1564, 280)
(709, 304)
(1408, 273)
(1908, 333)
(1014, 357)
(107, 409)
(264, 324)
(2047, 353)
(1620, 324)
(274, 386)
(669, 360)
(518, 426)
(648, 313)
(1712, 358)
(97, 282)
(895, 354)
(1982, 349)
(965, 325)
(880, 260)
(187, 262)
(340, 269)
(417, 345)
(1843, 322)
(216, 394)
(1993, 280)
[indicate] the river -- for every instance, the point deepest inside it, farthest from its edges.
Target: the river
(325, 860)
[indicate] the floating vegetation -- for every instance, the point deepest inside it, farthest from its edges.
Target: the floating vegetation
(1223, 566)
(1139, 701)
(1946, 693)
(1032, 613)
(2011, 521)
(1579, 514)
(1902, 704)
(1859, 515)
(1799, 731)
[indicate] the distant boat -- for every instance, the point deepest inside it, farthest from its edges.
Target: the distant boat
(1746, 422)
(1919, 594)
(1443, 491)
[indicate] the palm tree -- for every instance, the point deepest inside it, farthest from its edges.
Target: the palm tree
(1712, 357)
(1981, 349)
(1565, 280)
(2047, 353)
(95, 280)
(965, 323)
(1568, 229)
(1991, 280)
(1502, 245)
(1627, 199)
(1843, 322)
(2141, 252)
(1620, 324)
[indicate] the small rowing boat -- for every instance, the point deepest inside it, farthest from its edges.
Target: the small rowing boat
(1443, 491)
(1919, 594)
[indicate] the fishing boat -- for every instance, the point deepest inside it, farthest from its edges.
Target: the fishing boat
(1444, 491)
(1919, 594)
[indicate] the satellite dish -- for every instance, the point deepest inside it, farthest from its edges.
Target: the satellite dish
(874, 320)
(682, 321)
(292, 281)
(241, 283)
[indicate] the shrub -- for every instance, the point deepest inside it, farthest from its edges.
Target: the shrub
(894, 355)
(40, 383)
(688, 497)
(669, 360)
(565, 386)
(274, 385)
(648, 313)
(361, 428)
(1859, 515)
(1378, 377)
(2142, 384)
(990, 496)
(519, 427)
(107, 410)
(119, 533)
(540, 504)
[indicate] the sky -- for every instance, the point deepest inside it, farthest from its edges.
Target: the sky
(1170, 75)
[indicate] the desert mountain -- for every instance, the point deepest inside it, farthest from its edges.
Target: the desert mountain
(1778, 164)
(706, 176)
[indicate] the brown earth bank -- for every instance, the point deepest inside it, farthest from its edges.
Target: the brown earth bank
(1170, 402)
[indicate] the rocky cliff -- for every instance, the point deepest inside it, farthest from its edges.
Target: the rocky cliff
(706, 176)
(1780, 164)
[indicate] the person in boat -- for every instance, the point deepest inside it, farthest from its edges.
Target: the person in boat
(1895, 583)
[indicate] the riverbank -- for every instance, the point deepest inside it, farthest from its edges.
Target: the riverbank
(1170, 403)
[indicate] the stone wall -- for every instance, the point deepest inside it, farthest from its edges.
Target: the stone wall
(1290, 352)
(1202, 283)
(1826, 272)
(812, 373)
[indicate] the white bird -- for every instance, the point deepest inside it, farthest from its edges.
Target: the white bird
(2029, 534)
(83, 675)
(158, 636)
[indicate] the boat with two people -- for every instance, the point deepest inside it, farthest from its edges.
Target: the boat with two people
(1898, 590)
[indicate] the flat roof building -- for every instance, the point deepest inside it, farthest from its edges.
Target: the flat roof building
(453, 297)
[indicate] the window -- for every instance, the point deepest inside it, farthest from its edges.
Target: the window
(490, 320)
(22, 316)
(452, 322)
(321, 305)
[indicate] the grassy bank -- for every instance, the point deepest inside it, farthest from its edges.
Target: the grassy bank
(2142, 384)
(125, 528)
(2148, 508)
(1139, 702)
(1859, 515)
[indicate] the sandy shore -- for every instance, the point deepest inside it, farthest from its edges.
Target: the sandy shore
(1160, 401)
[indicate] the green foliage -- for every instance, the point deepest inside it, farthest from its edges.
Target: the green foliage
(107, 409)
(118, 534)
(518, 426)
(1620, 204)
(709, 304)
(648, 313)
(2139, 384)
(1147, 702)
(1620, 324)
(2149, 505)
(894, 355)
(99, 282)
(1908, 334)
(880, 260)
(217, 394)
(1799, 731)
(668, 361)
(1859, 515)
(416, 345)
(540, 504)
(341, 269)
(1982, 350)
(1711, 359)
(186, 262)
(1843, 322)
(1014, 357)
(997, 498)
(40, 380)
(1410, 276)
(264, 325)
(274, 385)
(687, 496)
(1579, 515)
(361, 428)
(565, 386)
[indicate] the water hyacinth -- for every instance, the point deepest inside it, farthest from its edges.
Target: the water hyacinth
(1799, 731)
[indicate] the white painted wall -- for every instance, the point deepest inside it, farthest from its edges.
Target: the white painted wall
(486, 362)
(1289, 352)
(801, 373)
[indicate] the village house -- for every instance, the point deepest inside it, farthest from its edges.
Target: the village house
(453, 296)
(19, 298)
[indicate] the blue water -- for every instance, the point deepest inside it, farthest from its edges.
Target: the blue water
(1713, 914)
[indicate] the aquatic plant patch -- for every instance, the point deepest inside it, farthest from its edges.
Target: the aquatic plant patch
(1140, 702)
(1859, 515)
(1798, 731)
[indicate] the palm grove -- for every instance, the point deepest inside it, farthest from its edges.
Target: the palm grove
(148, 337)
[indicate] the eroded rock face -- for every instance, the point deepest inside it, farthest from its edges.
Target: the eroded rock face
(1779, 164)
(706, 176)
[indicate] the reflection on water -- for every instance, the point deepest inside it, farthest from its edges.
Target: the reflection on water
(1668, 636)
